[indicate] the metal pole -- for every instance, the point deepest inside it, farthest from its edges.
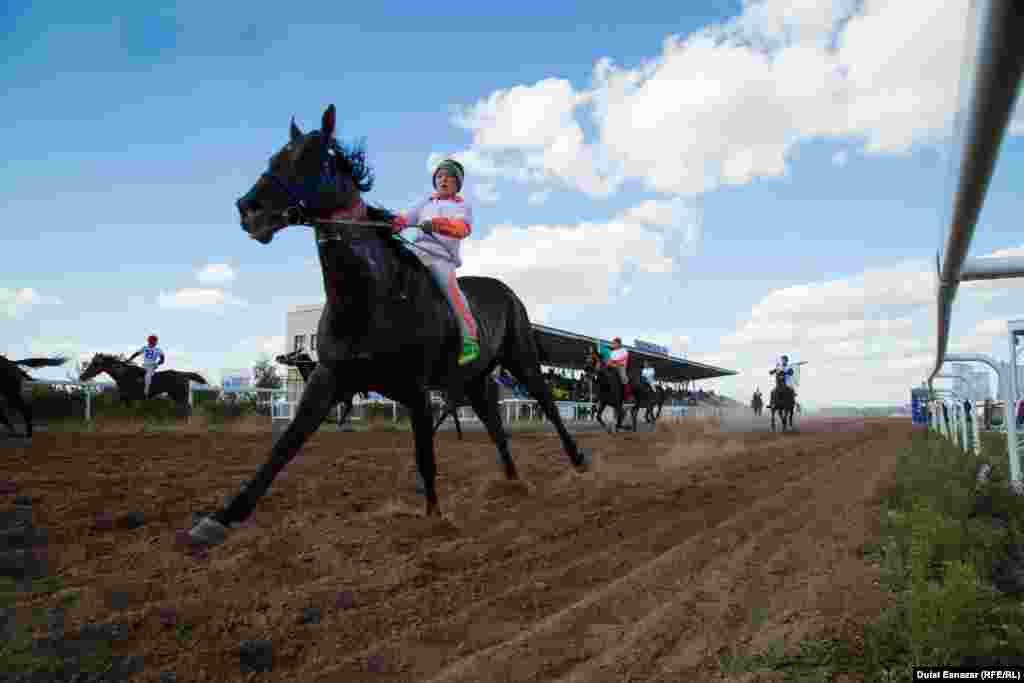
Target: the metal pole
(995, 92)
(1011, 409)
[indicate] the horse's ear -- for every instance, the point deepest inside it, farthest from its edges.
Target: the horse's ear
(327, 124)
(294, 131)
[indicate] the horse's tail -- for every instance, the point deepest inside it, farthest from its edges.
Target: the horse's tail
(41, 362)
(195, 377)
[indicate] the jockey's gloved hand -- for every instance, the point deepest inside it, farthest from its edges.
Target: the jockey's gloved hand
(426, 227)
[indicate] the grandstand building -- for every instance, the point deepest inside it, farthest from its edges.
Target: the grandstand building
(566, 351)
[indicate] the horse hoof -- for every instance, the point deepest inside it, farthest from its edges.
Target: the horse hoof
(585, 458)
(208, 532)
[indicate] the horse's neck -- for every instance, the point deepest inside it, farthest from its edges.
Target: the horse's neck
(121, 371)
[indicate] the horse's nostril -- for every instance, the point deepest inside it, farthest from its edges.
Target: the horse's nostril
(246, 206)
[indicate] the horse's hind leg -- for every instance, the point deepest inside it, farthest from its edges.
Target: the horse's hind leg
(598, 412)
(18, 403)
(6, 421)
(458, 423)
(486, 408)
(527, 371)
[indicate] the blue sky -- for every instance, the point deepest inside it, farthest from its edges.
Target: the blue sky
(740, 181)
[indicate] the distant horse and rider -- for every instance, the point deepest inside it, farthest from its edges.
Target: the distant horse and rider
(136, 383)
(757, 403)
(11, 378)
(615, 388)
(396, 315)
(783, 397)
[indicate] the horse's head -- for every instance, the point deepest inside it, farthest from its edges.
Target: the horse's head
(101, 362)
(309, 177)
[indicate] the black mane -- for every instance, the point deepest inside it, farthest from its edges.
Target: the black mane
(351, 161)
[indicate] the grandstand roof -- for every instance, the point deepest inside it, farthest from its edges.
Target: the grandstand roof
(569, 350)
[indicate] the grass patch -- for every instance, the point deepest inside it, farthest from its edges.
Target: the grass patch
(816, 660)
(944, 538)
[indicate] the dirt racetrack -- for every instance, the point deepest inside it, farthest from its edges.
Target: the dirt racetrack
(676, 552)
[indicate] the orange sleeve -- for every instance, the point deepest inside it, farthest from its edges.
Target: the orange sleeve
(452, 227)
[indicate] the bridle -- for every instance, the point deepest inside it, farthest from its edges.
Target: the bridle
(303, 199)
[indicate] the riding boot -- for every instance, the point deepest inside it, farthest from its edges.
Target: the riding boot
(467, 323)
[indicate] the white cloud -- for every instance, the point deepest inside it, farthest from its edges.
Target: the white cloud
(272, 346)
(906, 285)
(530, 134)
(16, 302)
(730, 103)
(199, 299)
(532, 261)
(486, 194)
(215, 274)
(1004, 253)
(866, 337)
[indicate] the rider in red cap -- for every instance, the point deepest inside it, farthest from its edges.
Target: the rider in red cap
(152, 358)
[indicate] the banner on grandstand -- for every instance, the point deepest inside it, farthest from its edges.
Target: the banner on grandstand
(236, 381)
(918, 403)
(641, 345)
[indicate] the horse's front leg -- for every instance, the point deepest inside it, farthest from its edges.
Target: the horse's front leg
(314, 406)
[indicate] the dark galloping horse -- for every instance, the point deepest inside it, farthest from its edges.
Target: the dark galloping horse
(783, 401)
(131, 380)
(385, 323)
(11, 377)
(653, 412)
(757, 404)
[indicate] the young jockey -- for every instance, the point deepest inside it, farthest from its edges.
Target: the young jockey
(648, 374)
(152, 357)
(620, 360)
(784, 368)
(445, 218)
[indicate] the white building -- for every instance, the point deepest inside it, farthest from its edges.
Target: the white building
(300, 329)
